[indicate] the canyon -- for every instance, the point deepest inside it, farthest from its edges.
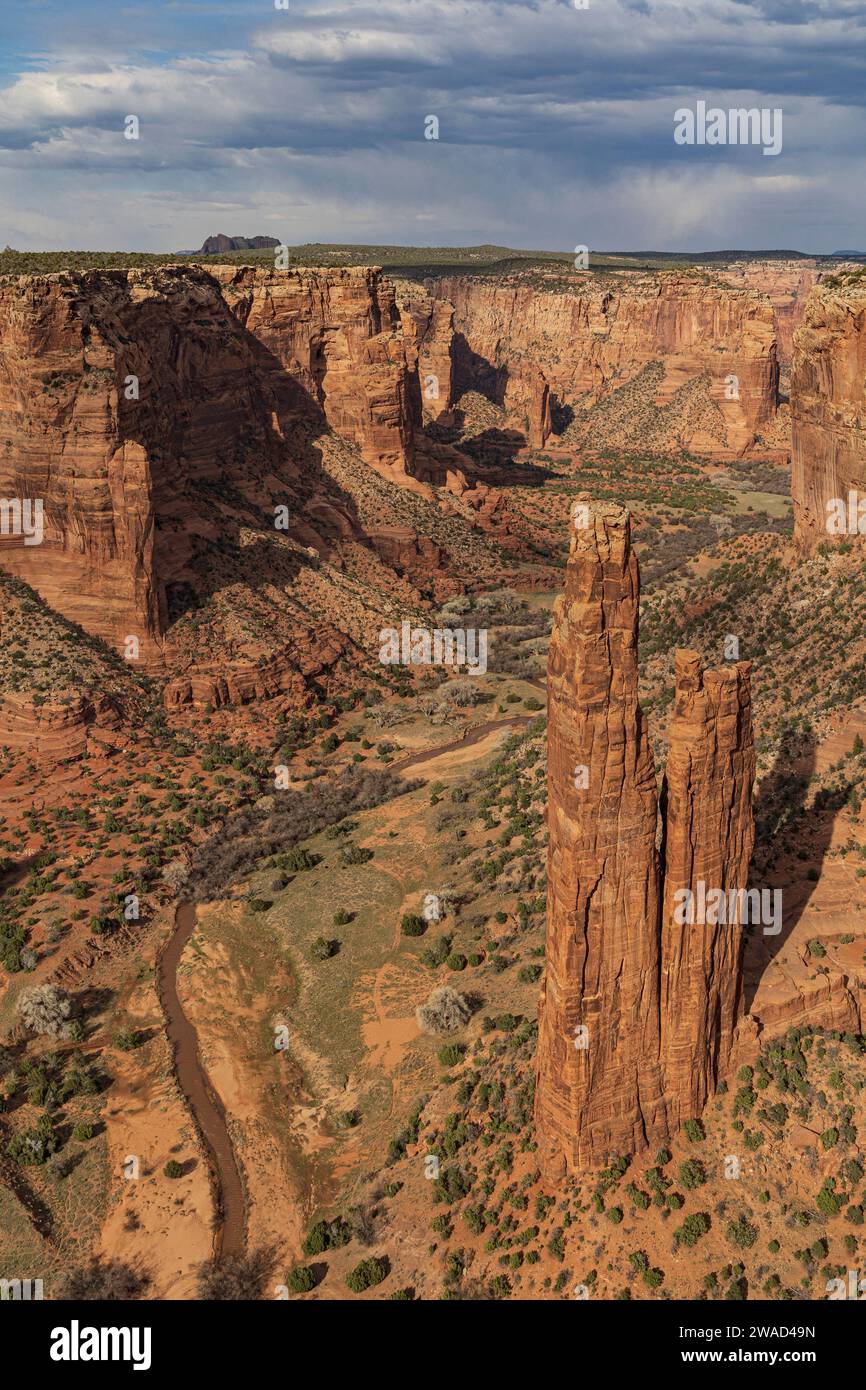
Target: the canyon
(480, 451)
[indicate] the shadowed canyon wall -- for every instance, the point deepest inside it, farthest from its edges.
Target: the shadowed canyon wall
(119, 388)
(637, 1013)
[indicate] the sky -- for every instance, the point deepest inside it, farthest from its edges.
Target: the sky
(556, 123)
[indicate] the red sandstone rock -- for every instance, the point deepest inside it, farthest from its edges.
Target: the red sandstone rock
(786, 284)
(709, 834)
(659, 1002)
(828, 408)
(603, 877)
(54, 731)
(589, 340)
(122, 391)
(428, 327)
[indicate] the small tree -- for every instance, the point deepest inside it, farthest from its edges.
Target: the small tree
(691, 1174)
(301, 1279)
(694, 1226)
(323, 948)
(742, 1233)
(175, 876)
(45, 1010)
(444, 1012)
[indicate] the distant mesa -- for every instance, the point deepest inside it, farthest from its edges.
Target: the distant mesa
(219, 244)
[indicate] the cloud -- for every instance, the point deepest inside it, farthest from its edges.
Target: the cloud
(549, 115)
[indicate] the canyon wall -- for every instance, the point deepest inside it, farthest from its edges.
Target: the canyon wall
(828, 407)
(120, 391)
(590, 340)
(786, 284)
(637, 1011)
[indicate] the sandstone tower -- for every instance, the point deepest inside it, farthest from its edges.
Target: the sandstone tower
(637, 1012)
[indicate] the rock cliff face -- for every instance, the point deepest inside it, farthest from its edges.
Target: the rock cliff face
(637, 1011)
(51, 732)
(122, 390)
(599, 1080)
(589, 341)
(428, 328)
(828, 408)
(786, 284)
(709, 835)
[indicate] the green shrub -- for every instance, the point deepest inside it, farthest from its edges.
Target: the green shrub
(173, 1169)
(367, 1274)
(413, 924)
(323, 948)
(691, 1174)
(295, 860)
(352, 854)
(694, 1226)
(301, 1279)
(742, 1233)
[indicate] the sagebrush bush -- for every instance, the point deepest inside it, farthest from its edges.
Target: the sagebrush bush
(444, 1012)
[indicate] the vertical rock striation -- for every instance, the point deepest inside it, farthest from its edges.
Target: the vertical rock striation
(709, 833)
(637, 1012)
(603, 876)
(828, 407)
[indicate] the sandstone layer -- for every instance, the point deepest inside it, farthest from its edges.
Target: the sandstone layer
(828, 409)
(638, 1011)
(428, 328)
(589, 340)
(53, 732)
